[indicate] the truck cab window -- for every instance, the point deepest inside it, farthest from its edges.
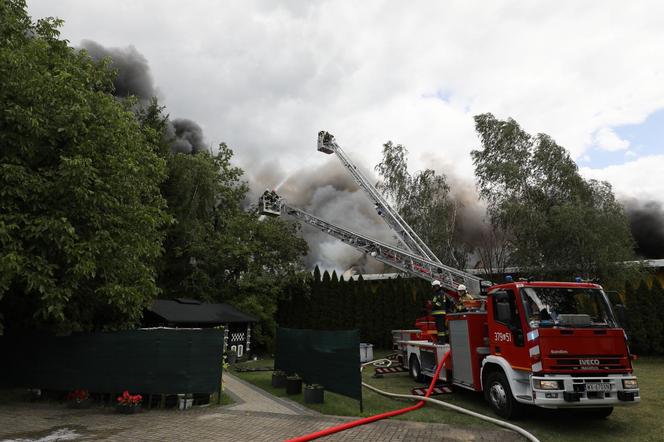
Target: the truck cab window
(506, 312)
(505, 307)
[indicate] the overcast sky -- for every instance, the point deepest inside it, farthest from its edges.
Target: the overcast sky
(265, 76)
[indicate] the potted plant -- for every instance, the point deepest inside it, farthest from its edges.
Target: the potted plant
(278, 379)
(293, 384)
(314, 394)
(79, 399)
(128, 403)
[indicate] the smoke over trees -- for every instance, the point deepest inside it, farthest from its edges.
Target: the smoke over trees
(424, 202)
(329, 192)
(81, 212)
(100, 211)
(186, 136)
(646, 221)
(132, 70)
(133, 79)
(555, 219)
(462, 240)
(213, 250)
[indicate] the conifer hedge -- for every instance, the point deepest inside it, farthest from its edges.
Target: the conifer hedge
(374, 307)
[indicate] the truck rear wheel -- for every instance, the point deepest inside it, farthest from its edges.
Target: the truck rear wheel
(499, 395)
(415, 370)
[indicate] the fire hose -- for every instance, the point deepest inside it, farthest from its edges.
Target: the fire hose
(420, 404)
(376, 417)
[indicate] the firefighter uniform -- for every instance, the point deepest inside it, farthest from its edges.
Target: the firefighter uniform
(464, 301)
(440, 306)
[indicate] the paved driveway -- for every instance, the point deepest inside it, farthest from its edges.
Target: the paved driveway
(255, 416)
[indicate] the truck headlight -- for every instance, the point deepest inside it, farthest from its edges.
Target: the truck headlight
(630, 383)
(541, 384)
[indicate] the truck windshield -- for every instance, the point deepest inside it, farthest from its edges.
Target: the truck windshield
(566, 307)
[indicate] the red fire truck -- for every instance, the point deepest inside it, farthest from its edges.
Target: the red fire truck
(548, 344)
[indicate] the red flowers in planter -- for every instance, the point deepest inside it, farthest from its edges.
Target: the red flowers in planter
(78, 395)
(129, 400)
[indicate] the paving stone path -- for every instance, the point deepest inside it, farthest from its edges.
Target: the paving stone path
(255, 416)
(250, 398)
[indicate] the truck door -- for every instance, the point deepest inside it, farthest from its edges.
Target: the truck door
(506, 329)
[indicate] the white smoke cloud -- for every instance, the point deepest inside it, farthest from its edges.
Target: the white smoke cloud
(266, 76)
(328, 192)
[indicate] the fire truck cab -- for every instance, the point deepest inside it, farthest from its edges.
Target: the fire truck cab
(548, 344)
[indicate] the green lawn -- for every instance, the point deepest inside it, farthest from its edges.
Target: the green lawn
(642, 422)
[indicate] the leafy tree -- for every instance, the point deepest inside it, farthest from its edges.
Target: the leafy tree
(493, 250)
(215, 250)
(424, 202)
(204, 193)
(81, 213)
(554, 219)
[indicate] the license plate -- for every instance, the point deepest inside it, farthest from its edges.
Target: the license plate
(598, 386)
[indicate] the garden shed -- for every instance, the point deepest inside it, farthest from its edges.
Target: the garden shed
(191, 313)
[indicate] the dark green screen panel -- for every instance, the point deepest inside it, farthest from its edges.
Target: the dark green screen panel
(146, 361)
(329, 358)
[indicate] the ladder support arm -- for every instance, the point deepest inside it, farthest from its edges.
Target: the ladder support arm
(403, 260)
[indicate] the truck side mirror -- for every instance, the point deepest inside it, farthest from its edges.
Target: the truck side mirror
(621, 314)
(518, 336)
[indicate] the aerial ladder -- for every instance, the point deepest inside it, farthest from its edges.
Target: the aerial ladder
(404, 233)
(415, 258)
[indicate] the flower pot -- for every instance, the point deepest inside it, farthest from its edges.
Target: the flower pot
(185, 402)
(127, 409)
(293, 385)
(314, 394)
(278, 379)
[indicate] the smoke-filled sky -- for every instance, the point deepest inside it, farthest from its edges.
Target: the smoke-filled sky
(266, 76)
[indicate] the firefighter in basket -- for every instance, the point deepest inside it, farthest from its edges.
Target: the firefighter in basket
(440, 304)
(466, 302)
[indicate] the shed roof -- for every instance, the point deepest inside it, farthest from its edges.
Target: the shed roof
(191, 311)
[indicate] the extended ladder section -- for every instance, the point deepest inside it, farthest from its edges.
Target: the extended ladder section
(406, 261)
(405, 234)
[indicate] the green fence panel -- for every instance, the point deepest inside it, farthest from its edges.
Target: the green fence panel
(329, 358)
(161, 361)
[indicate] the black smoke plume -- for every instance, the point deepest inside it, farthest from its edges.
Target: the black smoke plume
(133, 71)
(134, 79)
(187, 136)
(646, 220)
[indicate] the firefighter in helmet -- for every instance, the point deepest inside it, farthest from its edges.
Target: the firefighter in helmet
(440, 304)
(464, 298)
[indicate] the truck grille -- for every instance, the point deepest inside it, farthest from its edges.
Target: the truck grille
(586, 362)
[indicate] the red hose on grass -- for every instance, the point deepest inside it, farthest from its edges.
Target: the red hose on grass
(368, 420)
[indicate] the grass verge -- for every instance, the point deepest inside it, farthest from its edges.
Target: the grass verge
(642, 422)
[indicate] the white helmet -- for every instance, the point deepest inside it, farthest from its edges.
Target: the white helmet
(435, 283)
(462, 288)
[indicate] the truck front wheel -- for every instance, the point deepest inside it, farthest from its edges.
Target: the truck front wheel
(415, 370)
(499, 395)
